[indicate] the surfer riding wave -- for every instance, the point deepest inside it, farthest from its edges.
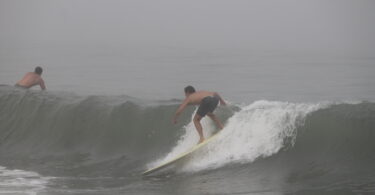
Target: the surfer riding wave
(207, 102)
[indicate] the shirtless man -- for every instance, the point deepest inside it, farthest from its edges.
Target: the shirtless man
(207, 102)
(32, 78)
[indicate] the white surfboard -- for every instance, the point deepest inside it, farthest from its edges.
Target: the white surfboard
(179, 157)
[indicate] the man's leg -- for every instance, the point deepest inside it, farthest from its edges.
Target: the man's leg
(198, 126)
(216, 120)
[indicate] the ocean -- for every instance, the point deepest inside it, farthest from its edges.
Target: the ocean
(298, 78)
(294, 125)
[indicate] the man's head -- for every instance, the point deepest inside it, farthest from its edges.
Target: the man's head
(38, 70)
(189, 90)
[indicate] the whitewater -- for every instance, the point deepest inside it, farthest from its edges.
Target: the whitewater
(257, 130)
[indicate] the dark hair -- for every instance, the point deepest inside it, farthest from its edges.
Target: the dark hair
(38, 70)
(189, 89)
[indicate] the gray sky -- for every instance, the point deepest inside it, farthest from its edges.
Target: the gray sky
(273, 49)
(332, 26)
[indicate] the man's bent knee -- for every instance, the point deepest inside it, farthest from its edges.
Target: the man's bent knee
(197, 118)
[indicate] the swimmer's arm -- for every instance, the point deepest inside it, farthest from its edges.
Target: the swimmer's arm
(42, 85)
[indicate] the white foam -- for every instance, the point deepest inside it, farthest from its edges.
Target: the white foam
(21, 182)
(257, 130)
(190, 138)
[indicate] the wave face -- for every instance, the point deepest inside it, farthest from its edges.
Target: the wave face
(60, 124)
(90, 134)
(341, 132)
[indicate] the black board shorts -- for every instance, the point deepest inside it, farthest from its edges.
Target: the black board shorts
(208, 105)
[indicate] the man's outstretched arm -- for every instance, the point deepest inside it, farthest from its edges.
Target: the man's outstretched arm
(180, 109)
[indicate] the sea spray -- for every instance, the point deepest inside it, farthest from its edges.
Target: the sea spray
(260, 129)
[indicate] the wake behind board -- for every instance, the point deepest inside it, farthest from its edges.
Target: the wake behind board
(179, 157)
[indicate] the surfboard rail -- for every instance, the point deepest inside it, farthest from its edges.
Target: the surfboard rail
(180, 156)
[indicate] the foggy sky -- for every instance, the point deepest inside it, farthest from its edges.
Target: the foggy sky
(333, 26)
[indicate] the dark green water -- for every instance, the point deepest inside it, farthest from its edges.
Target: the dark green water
(58, 143)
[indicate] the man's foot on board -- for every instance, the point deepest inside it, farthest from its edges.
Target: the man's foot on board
(200, 140)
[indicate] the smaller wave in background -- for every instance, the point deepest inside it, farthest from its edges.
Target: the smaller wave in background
(21, 182)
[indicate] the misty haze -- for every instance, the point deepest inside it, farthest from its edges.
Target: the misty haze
(297, 77)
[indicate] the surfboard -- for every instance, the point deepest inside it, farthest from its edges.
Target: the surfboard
(180, 157)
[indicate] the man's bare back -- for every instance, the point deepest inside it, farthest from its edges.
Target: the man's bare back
(31, 79)
(197, 97)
